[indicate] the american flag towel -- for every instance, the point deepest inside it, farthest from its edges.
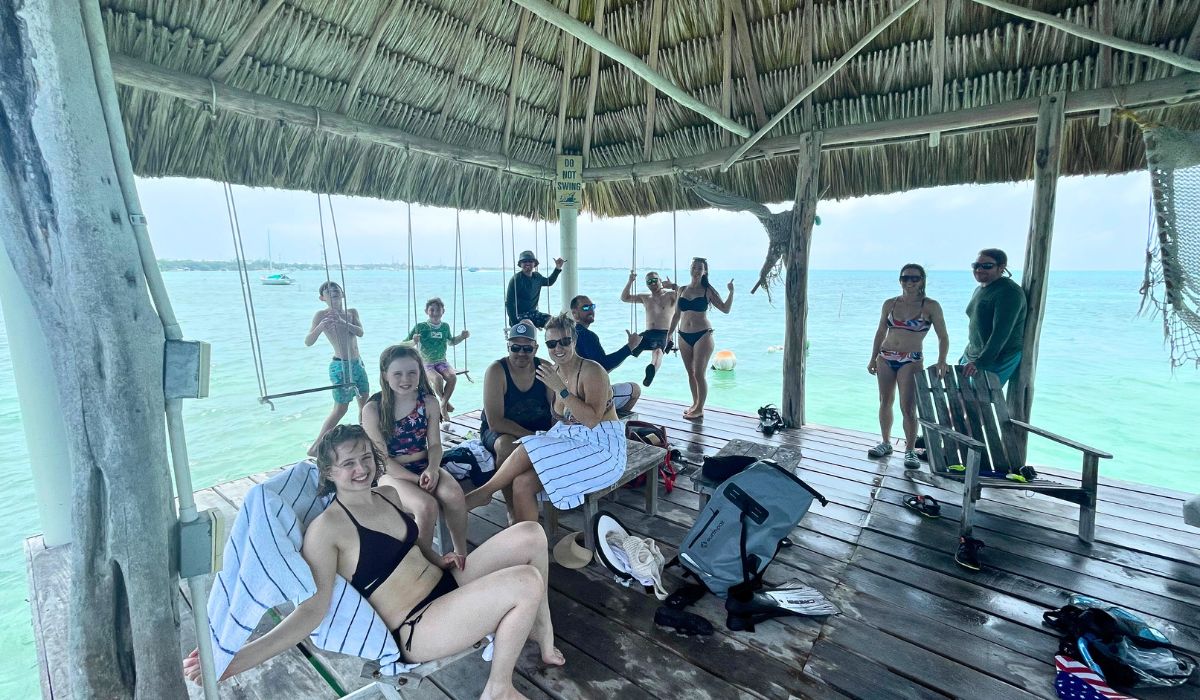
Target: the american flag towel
(1077, 681)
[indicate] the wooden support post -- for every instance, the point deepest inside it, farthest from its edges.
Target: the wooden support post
(1047, 157)
(808, 178)
(564, 93)
(937, 66)
(656, 14)
(589, 114)
(238, 49)
(66, 228)
(1104, 62)
(818, 82)
(726, 70)
(514, 77)
(1092, 35)
(367, 57)
(745, 52)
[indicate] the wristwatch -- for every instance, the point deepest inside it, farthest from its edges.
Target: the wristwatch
(564, 393)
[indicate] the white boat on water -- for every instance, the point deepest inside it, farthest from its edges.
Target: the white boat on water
(277, 279)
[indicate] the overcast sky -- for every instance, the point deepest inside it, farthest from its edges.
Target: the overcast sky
(1100, 224)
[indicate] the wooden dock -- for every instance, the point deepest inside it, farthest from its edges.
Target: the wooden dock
(914, 624)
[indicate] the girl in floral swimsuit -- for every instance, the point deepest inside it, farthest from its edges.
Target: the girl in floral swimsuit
(896, 357)
(400, 420)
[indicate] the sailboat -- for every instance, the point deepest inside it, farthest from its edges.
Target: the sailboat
(277, 279)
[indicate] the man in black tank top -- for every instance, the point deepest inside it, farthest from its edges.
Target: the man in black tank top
(515, 402)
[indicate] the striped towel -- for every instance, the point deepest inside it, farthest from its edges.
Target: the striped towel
(263, 568)
(573, 460)
(1077, 681)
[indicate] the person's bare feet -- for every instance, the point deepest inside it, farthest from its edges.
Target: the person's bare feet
(502, 693)
(477, 498)
(554, 659)
(447, 409)
(551, 655)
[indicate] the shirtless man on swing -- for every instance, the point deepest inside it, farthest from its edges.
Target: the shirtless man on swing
(659, 304)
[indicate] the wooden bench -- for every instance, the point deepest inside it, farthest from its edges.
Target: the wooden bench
(642, 459)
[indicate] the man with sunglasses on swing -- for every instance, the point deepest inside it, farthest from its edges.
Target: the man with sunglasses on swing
(996, 315)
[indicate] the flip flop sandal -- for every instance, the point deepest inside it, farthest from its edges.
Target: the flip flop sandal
(685, 596)
(682, 621)
(925, 505)
(1023, 474)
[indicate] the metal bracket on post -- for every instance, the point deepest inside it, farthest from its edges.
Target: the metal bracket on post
(200, 544)
(185, 369)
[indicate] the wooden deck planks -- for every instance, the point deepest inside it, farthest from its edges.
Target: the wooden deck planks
(914, 625)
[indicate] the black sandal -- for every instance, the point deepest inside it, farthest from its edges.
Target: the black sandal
(925, 505)
(682, 621)
(686, 595)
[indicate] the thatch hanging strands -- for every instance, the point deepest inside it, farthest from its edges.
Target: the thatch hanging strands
(779, 226)
(1172, 283)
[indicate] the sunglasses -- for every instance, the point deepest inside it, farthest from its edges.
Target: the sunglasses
(910, 278)
(652, 280)
(521, 348)
(982, 266)
(587, 307)
(565, 342)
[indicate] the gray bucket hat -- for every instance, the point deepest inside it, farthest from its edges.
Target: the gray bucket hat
(527, 256)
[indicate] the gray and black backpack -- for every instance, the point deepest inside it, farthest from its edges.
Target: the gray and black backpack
(739, 531)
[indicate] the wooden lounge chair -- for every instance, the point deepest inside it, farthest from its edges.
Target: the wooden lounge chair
(966, 422)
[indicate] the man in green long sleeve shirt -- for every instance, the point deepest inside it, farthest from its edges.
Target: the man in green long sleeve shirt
(996, 313)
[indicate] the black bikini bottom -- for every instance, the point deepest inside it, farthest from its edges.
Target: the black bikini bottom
(693, 338)
(444, 586)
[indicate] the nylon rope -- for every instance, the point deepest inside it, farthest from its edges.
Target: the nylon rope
(247, 294)
(412, 275)
(546, 247)
(347, 377)
(633, 269)
(337, 243)
(674, 248)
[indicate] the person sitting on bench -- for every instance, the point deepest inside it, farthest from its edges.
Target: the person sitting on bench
(584, 452)
(587, 346)
(434, 605)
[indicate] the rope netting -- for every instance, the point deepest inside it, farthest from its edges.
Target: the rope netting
(1172, 282)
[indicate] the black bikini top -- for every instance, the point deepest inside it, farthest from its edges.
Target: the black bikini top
(699, 303)
(378, 552)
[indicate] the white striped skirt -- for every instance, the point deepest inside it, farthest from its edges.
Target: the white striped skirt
(573, 460)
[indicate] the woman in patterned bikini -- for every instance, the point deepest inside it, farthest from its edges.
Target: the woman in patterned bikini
(896, 357)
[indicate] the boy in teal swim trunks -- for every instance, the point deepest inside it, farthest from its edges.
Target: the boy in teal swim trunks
(432, 337)
(343, 328)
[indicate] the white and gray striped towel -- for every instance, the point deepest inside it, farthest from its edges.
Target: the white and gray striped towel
(573, 460)
(263, 568)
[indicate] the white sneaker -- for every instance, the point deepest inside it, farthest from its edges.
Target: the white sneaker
(883, 449)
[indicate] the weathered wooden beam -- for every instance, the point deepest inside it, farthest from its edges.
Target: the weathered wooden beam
(745, 51)
(1192, 48)
(460, 56)
(1154, 92)
(808, 180)
(513, 77)
(937, 65)
(238, 49)
(66, 228)
(595, 39)
(726, 69)
(589, 113)
(564, 92)
(146, 76)
(368, 54)
(656, 15)
(1104, 62)
(1047, 160)
(1092, 35)
(820, 80)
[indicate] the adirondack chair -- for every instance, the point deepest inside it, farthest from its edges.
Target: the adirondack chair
(966, 422)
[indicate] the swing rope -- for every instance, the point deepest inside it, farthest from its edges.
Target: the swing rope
(235, 231)
(459, 287)
(412, 275)
(546, 247)
(633, 269)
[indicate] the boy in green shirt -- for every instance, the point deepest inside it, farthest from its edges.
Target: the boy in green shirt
(431, 338)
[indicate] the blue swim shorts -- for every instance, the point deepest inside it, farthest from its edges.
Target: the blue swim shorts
(358, 377)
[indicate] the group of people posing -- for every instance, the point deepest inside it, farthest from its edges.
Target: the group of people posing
(996, 336)
(552, 426)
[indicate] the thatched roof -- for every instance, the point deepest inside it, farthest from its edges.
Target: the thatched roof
(442, 70)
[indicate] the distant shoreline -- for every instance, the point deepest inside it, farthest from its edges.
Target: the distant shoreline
(265, 266)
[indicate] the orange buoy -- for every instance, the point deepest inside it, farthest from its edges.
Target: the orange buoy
(724, 360)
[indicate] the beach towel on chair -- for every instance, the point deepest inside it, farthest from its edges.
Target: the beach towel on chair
(263, 568)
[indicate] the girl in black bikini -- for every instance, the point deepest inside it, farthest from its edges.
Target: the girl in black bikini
(695, 333)
(409, 428)
(436, 606)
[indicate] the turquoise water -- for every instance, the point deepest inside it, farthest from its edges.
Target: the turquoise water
(1103, 378)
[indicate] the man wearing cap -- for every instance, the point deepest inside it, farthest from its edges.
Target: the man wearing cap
(587, 346)
(515, 402)
(525, 287)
